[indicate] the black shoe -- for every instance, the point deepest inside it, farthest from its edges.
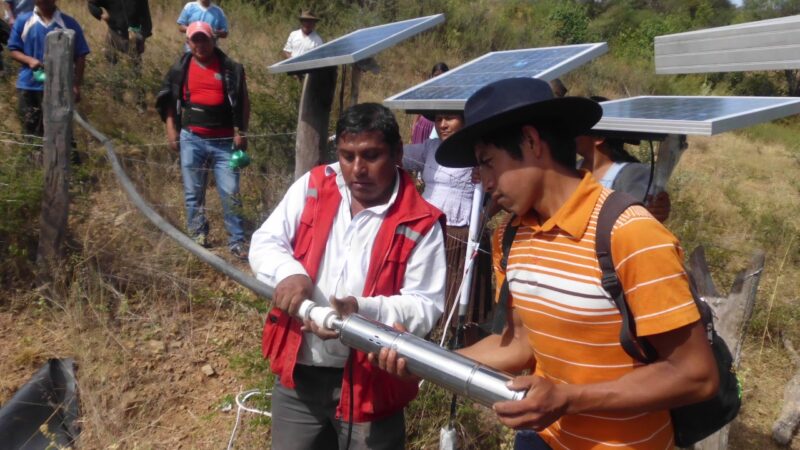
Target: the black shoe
(239, 250)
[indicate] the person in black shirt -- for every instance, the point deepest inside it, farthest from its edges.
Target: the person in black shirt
(128, 23)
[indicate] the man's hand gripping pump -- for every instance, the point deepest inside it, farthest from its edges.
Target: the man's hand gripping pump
(456, 373)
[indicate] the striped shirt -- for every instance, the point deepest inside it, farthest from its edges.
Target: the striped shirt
(572, 323)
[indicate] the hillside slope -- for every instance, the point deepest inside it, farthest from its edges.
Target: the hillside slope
(144, 319)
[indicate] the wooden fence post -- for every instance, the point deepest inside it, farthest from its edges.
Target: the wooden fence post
(732, 313)
(57, 108)
(312, 124)
(784, 428)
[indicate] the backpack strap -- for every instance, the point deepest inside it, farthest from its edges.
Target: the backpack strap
(616, 203)
(501, 309)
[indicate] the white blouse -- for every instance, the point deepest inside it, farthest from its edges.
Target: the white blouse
(449, 189)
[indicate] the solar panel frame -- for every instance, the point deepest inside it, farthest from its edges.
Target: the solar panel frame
(779, 107)
(303, 63)
(590, 52)
(772, 44)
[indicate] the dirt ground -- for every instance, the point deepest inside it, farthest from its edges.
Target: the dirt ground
(155, 379)
(143, 385)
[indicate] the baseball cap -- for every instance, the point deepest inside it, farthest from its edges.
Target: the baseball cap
(199, 27)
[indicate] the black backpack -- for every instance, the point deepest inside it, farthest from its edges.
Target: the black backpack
(691, 423)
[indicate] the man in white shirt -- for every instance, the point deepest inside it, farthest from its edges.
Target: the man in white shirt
(355, 235)
(304, 39)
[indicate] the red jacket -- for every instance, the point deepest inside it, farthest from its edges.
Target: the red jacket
(376, 394)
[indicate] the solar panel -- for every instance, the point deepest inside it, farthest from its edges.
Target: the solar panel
(451, 90)
(358, 45)
(692, 115)
(763, 45)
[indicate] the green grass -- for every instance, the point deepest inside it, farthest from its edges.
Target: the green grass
(782, 132)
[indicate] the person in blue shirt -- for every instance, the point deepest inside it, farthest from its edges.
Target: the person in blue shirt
(14, 8)
(26, 46)
(204, 11)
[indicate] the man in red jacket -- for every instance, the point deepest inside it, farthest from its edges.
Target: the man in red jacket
(355, 235)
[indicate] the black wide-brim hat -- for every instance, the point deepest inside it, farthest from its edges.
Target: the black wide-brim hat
(516, 101)
(431, 115)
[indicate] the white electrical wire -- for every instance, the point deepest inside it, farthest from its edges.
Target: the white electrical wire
(241, 398)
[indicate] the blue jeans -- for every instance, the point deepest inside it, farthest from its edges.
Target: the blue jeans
(529, 440)
(198, 157)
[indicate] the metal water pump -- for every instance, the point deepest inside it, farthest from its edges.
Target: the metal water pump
(449, 370)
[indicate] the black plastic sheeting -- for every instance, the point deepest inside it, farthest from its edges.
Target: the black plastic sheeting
(44, 412)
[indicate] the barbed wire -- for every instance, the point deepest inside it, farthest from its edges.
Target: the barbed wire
(458, 182)
(28, 144)
(30, 136)
(247, 135)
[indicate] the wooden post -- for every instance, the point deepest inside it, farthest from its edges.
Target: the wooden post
(57, 108)
(312, 125)
(669, 153)
(355, 84)
(789, 418)
(732, 314)
(358, 70)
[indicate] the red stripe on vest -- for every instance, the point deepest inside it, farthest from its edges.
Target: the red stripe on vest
(376, 394)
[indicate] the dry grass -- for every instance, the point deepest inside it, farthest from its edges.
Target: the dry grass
(733, 195)
(142, 317)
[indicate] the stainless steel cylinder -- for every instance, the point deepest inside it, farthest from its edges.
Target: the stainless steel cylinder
(454, 372)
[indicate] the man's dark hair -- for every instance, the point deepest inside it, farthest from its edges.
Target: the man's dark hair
(562, 148)
(439, 67)
(366, 117)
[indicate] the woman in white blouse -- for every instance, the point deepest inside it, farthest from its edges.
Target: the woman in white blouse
(450, 190)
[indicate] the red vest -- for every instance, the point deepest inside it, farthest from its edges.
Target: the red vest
(376, 394)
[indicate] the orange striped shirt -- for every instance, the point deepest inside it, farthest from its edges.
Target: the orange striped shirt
(572, 323)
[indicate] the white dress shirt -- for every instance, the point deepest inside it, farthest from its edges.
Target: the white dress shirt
(345, 264)
(299, 43)
(447, 188)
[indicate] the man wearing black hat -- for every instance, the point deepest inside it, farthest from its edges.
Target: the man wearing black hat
(584, 391)
(305, 38)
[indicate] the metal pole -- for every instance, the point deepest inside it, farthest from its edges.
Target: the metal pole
(472, 247)
(448, 439)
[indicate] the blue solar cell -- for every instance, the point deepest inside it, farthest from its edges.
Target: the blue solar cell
(451, 89)
(687, 108)
(692, 115)
(357, 45)
(358, 40)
